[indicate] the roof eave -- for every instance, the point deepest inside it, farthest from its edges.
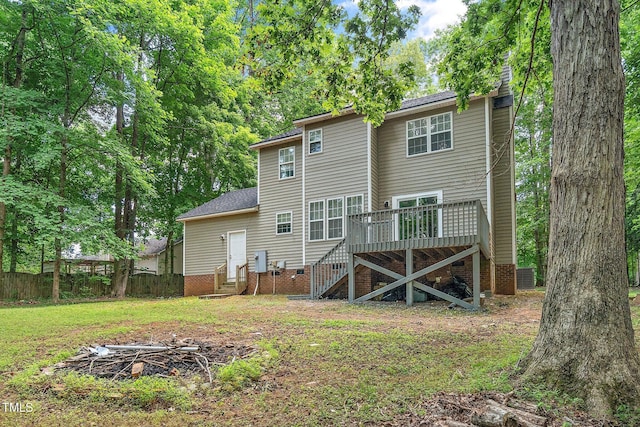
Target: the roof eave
(273, 142)
(438, 104)
(219, 214)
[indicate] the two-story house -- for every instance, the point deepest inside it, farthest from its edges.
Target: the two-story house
(427, 195)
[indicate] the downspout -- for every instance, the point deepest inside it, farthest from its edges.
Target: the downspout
(487, 130)
(304, 214)
(369, 174)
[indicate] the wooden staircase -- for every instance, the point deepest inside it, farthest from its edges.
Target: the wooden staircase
(223, 288)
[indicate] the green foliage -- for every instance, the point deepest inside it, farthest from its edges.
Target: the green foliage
(295, 33)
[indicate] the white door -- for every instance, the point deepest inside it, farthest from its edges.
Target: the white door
(236, 252)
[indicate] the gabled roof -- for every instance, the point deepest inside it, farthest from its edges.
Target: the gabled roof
(232, 203)
(405, 107)
(153, 247)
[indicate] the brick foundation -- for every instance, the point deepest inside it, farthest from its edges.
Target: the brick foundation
(288, 282)
(198, 285)
(505, 279)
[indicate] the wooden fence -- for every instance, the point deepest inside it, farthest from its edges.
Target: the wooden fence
(25, 286)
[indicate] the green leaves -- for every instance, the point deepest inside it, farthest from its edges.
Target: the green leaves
(348, 53)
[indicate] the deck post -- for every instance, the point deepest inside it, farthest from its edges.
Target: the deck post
(476, 279)
(351, 277)
(408, 259)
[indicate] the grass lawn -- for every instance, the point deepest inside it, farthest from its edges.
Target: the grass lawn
(319, 363)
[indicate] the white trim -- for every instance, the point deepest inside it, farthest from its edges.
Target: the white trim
(228, 253)
(346, 205)
(259, 145)
(290, 222)
(397, 113)
(304, 195)
(184, 248)
(293, 161)
(434, 105)
(215, 215)
(437, 193)
(369, 171)
(512, 166)
(258, 183)
(341, 217)
(428, 135)
(487, 136)
(308, 148)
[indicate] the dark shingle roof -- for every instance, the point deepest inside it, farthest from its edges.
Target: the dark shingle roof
(228, 202)
(287, 134)
(429, 99)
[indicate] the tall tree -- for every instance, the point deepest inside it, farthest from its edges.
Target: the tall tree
(585, 345)
(586, 341)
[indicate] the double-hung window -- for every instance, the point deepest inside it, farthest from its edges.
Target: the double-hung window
(315, 141)
(354, 205)
(429, 134)
(286, 162)
(316, 220)
(283, 223)
(334, 218)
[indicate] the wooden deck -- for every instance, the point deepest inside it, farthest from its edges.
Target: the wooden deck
(452, 231)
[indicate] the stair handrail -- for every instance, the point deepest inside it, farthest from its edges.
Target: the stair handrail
(241, 277)
(329, 269)
(219, 276)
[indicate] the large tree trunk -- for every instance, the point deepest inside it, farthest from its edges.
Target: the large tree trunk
(585, 345)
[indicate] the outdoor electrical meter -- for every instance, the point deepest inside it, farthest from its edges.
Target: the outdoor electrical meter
(261, 261)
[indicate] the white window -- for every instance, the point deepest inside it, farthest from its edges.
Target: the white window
(316, 220)
(355, 205)
(429, 134)
(283, 223)
(334, 218)
(286, 162)
(315, 141)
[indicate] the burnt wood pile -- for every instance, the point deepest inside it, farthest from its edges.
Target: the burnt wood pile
(186, 358)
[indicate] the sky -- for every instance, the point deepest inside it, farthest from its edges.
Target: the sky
(436, 14)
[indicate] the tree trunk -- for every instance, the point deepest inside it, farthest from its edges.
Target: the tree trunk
(18, 52)
(120, 266)
(585, 345)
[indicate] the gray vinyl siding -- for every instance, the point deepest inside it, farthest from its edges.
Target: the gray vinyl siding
(374, 167)
(340, 170)
(205, 250)
(503, 178)
(459, 173)
(276, 196)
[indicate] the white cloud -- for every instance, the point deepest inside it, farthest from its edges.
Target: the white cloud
(436, 14)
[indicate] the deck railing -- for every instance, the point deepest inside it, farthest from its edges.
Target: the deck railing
(241, 277)
(440, 225)
(219, 276)
(329, 269)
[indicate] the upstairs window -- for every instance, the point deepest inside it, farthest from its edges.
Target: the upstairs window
(315, 141)
(286, 162)
(429, 134)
